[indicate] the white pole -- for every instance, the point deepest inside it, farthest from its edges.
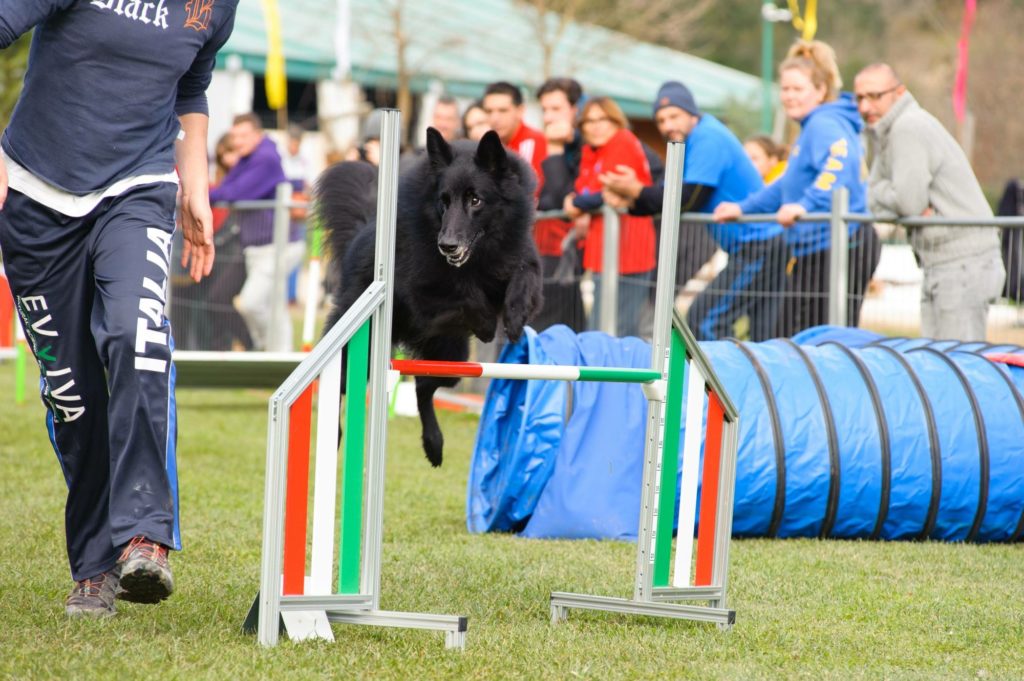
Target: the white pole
(325, 481)
(380, 354)
(312, 302)
(691, 472)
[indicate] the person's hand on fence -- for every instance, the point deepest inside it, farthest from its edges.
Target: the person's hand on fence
(788, 214)
(3, 182)
(581, 226)
(197, 230)
(569, 207)
(623, 181)
(727, 210)
(565, 271)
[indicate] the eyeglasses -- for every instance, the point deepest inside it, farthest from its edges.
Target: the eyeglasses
(595, 120)
(875, 96)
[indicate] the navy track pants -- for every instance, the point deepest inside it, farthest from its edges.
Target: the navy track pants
(751, 284)
(91, 295)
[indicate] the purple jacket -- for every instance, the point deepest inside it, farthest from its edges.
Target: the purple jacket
(255, 178)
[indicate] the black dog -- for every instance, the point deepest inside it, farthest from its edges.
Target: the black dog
(464, 253)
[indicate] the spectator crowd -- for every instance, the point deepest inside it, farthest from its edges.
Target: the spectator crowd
(775, 279)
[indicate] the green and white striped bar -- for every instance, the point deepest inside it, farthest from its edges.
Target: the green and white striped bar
(412, 367)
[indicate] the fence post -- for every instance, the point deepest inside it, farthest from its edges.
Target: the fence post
(610, 271)
(838, 258)
(278, 300)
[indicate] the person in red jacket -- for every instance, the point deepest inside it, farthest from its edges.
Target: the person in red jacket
(503, 103)
(608, 143)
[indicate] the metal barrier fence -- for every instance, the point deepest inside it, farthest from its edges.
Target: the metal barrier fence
(879, 293)
(878, 287)
(252, 298)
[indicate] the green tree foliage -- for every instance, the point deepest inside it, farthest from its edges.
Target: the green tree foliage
(13, 62)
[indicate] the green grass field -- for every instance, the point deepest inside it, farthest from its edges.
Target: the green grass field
(805, 609)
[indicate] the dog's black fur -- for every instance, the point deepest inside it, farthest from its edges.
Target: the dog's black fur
(464, 253)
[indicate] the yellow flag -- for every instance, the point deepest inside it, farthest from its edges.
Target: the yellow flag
(808, 23)
(810, 19)
(274, 78)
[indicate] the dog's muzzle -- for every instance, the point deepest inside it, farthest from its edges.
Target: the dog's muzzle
(455, 255)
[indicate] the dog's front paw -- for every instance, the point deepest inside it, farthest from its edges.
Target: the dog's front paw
(515, 321)
(485, 335)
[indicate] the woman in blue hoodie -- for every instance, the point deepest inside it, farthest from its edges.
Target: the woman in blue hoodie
(826, 155)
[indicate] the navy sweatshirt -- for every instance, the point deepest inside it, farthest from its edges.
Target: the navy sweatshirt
(106, 82)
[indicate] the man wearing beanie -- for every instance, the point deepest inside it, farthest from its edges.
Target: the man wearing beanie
(716, 169)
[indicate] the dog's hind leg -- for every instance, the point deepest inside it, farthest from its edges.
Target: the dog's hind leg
(442, 349)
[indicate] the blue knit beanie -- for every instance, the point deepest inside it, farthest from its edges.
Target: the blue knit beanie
(674, 93)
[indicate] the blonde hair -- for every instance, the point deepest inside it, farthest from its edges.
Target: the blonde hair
(818, 60)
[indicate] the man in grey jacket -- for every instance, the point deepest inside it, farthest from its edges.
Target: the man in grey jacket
(920, 170)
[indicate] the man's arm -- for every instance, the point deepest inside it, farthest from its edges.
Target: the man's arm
(765, 200)
(16, 18)
(3, 183)
(19, 16)
(651, 200)
(191, 96)
(196, 217)
(193, 164)
(831, 155)
(648, 199)
(906, 192)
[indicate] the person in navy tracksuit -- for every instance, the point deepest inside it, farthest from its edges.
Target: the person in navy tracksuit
(114, 98)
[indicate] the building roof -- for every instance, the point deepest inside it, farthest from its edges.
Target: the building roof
(466, 44)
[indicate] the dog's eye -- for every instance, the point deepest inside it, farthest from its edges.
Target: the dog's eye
(443, 204)
(474, 200)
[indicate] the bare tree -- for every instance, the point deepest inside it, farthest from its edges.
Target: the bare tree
(665, 22)
(403, 42)
(550, 19)
(403, 98)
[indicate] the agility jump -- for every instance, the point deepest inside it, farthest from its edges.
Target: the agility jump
(306, 604)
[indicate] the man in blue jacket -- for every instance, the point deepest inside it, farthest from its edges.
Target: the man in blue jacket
(715, 169)
(254, 178)
(114, 98)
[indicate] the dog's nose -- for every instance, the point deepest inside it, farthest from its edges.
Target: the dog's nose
(447, 249)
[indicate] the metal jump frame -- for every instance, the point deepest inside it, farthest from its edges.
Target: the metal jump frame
(305, 605)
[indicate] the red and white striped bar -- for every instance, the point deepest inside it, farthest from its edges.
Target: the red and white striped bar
(414, 367)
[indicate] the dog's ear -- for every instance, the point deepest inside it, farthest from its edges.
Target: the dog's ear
(439, 151)
(490, 153)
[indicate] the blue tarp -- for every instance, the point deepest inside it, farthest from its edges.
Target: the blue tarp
(515, 452)
(855, 436)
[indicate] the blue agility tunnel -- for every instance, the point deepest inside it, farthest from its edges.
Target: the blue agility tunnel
(842, 434)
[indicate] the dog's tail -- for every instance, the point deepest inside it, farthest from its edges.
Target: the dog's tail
(345, 196)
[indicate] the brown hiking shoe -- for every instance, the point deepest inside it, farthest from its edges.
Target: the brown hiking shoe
(145, 573)
(94, 597)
